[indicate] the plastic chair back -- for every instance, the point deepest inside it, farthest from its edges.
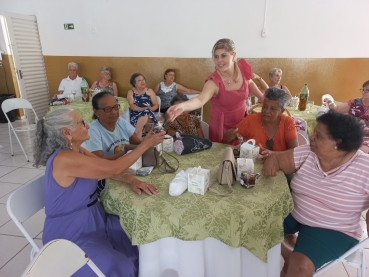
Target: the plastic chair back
(15, 103)
(301, 139)
(159, 101)
(59, 258)
(205, 129)
(25, 202)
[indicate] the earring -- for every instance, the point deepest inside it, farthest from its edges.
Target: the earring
(335, 147)
(70, 145)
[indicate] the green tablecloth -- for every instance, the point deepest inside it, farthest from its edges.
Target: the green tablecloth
(251, 218)
(85, 109)
(310, 118)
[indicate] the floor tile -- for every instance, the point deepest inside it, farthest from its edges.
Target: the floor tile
(16, 148)
(16, 266)
(4, 217)
(10, 246)
(4, 156)
(6, 169)
(337, 270)
(34, 226)
(21, 175)
(6, 189)
(16, 160)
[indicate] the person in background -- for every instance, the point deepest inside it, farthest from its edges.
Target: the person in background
(109, 133)
(359, 108)
(142, 102)
(186, 123)
(227, 89)
(104, 84)
(330, 191)
(72, 209)
(275, 77)
(72, 82)
(168, 89)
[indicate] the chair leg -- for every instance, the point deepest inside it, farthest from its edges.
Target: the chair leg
(24, 152)
(362, 269)
(11, 143)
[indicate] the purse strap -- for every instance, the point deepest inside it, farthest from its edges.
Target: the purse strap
(220, 193)
(163, 163)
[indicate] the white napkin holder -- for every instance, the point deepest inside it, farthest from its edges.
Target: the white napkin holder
(168, 144)
(198, 180)
(137, 165)
(244, 165)
(248, 150)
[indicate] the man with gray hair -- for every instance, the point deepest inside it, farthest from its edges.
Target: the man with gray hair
(72, 82)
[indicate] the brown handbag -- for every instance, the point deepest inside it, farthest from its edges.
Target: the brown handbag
(227, 171)
(152, 157)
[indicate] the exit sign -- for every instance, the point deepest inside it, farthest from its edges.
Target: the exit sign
(68, 26)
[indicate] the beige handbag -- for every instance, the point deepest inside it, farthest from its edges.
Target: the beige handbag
(227, 171)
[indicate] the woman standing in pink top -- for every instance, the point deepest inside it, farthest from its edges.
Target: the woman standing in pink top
(227, 89)
(330, 190)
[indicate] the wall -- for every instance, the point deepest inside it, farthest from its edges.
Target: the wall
(318, 42)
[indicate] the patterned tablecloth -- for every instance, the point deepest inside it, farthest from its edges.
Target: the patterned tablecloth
(251, 218)
(85, 109)
(310, 118)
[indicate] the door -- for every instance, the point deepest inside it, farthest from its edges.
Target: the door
(25, 47)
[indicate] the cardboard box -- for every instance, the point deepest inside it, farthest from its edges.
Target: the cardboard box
(198, 180)
(168, 144)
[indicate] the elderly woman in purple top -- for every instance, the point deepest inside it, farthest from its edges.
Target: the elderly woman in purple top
(71, 206)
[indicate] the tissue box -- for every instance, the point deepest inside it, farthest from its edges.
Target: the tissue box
(198, 180)
(244, 165)
(168, 144)
(137, 165)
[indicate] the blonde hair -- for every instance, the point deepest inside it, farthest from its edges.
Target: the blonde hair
(228, 45)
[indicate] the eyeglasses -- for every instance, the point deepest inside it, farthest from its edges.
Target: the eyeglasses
(364, 90)
(109, 109)
(270, 143)
(83, 123)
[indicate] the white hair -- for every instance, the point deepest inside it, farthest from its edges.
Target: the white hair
(274, 71)
(73, 64)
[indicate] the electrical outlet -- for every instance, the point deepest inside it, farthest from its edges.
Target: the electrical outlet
(264, 32)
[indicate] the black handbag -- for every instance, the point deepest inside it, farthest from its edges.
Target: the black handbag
(185, 144)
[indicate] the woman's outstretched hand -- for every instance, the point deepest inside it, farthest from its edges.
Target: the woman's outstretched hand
(174, 111)
(152, 140)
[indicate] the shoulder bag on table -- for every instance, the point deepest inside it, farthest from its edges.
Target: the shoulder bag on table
(185, 144)
(226, 172)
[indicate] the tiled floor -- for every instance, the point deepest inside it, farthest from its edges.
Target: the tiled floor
(14, 248)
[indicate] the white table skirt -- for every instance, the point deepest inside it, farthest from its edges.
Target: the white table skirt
(172, 257)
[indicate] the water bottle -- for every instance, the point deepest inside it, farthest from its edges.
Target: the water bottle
(84, 88)
(304, 96)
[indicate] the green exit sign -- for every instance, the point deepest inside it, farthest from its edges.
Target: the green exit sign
(68, 26)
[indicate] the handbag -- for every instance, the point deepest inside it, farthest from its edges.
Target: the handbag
(185, 144)
(226, 171)
(152, 157)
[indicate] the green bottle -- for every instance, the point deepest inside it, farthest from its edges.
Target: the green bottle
(304, 97)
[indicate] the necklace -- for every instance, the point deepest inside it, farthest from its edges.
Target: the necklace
(228, 80)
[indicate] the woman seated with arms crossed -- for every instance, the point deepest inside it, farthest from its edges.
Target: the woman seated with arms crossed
(186, 123)
(168, 89)
(109, 133)
(71, 206)
(104, 84)
(330, 190)
(227, 89)
(359, 108)
(142, 102)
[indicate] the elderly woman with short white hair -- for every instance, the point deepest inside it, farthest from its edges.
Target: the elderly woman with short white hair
(275, 77)
(72, 82)
(105, 83)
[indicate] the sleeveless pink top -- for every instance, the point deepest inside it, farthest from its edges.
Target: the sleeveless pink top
(228, 107)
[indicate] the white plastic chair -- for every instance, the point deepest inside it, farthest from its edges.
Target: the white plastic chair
(25, 202)
(304, 124)
(301, 139)
(354, 257)
(159, 102)
(18, 103)
(205, 129)
(59, 258)
(126, 115)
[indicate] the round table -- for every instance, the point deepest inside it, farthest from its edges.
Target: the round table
(85, 109)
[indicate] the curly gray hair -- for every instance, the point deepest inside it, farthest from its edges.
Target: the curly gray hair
(279, 95)
(274, 71)
(48, 137)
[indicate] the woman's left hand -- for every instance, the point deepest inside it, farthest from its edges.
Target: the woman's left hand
(139, 186)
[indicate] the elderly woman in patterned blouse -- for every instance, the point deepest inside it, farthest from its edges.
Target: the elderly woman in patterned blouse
(186, 123)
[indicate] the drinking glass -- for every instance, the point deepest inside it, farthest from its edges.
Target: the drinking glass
(84, 96)
(310, 104)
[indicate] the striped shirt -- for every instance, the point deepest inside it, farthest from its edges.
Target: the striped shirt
(334, 199)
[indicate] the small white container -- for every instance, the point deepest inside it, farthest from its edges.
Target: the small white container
(198, 180)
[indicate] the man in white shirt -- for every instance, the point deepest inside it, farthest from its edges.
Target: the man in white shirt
(72, 82)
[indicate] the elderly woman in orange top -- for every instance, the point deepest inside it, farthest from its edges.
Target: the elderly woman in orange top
(270, 128)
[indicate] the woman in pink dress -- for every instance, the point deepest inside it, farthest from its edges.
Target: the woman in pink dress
(227, 89)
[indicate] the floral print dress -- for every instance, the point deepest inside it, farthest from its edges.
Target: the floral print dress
(142, 101)
(358, 110)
